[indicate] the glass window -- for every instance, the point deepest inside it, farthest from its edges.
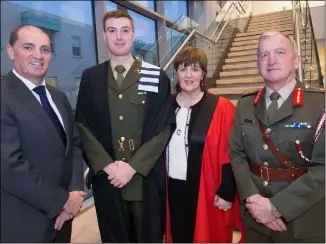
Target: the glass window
(174, 39)
(145, 29)
(76, 46)
(110, 6)
(147, 4)
(174, 9)
(62, 20)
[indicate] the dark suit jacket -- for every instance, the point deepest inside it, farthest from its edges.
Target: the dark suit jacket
(37, 170)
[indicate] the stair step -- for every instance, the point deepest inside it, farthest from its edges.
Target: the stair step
(245, 38)
(240, 81)
(268, 24)
(277, 27)
(242, 53)
(258, 33)
(233, 90)
(272, 28)
(242, 43)
(239, 73)
(242, 48)
(248, 65)
(241, 59)
(283, 12)
(270, 20)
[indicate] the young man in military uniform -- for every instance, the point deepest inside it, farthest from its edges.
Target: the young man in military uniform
(278, 151)
(122, 113)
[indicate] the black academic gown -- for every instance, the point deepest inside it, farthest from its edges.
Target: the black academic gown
(96, 117)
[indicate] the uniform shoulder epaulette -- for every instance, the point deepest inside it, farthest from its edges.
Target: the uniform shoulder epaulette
(254, 92)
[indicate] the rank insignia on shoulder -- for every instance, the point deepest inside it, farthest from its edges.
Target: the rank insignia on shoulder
(299, 125)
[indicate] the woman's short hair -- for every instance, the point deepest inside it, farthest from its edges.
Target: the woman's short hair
(191, 56)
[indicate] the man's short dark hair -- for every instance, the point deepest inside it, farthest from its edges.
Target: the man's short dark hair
(14, 33)
(117, 14)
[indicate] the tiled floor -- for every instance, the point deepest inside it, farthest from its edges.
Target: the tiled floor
(85, 228)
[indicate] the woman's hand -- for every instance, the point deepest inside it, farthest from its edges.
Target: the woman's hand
(221, 203)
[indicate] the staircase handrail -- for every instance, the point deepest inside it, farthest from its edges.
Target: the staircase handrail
(305, 19)
(195, 32)
(297, 35)
(175, 23)
(315, 46)
(232, 4)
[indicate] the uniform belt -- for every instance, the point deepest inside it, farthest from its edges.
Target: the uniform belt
(277, 174)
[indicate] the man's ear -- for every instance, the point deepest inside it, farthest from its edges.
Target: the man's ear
(297, 60)
(11, 52)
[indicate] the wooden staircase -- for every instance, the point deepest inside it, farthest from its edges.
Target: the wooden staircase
(239, 73)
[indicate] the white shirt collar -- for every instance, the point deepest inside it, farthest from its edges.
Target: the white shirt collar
(284, 92)
(30, 85)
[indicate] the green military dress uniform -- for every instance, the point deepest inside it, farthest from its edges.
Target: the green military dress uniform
(126, 103)
(301, 202)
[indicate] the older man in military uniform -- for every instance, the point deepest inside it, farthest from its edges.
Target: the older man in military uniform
(278, 151)
(122, 113)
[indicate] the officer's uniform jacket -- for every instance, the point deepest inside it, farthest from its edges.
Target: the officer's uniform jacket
(302, 202)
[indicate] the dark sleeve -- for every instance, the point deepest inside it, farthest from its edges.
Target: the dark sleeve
(97, 155)
(77, 175)
(19, 177)
(227, 189)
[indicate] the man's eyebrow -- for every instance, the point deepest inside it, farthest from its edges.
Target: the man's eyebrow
(32, 44)
(28, 43)
(111, 27)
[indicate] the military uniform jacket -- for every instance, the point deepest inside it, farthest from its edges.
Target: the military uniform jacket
(302, 202)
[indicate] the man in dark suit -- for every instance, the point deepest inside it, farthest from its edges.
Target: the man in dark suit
(41, 156)
(122, 113)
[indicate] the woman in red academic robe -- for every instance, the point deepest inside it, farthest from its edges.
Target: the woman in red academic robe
(202, 204)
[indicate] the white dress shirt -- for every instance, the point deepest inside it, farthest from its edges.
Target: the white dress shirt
(177, 150)
(284, 92)
(30, 85)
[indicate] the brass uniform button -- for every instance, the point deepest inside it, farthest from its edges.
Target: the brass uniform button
(120, 96)
(265, 146)
(120, 117)
(265, 163)
(143, 102)
(122, 138)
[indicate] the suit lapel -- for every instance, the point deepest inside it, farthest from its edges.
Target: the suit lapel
(260, 109)
(29, 101)
(132, 76)
(63, 110)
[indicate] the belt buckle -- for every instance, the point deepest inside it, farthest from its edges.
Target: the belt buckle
(262, 175)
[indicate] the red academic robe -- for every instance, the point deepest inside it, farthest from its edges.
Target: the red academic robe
(212, 224)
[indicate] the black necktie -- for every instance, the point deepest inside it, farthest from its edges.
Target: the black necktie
(40, 90)
(273, 107)
(120, 69)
